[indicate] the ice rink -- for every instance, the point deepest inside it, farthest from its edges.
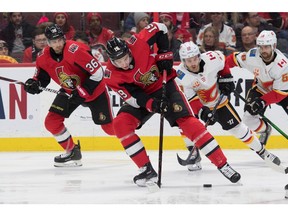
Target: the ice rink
(106, 178)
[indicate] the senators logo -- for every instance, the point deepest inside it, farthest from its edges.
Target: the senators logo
(102, 117)
(147, 78)
(177, 107)
(66, 81)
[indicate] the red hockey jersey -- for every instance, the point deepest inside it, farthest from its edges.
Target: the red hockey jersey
(72, 70)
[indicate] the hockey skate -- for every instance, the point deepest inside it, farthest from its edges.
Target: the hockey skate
(269, 157)
(147, 176)
(194, 162)
(230, 173)
(70, 159)
(265, 135)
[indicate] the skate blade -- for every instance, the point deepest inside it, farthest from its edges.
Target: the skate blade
(194, 167)
(77, 163)
(152, 186)
(278, 168)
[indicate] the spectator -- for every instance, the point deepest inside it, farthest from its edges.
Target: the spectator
(82, 37)
(129, 22)
(42, 20)
(4, 57)
(141, 20)
(210, 40)
(248, 38)
(18, 34)
(61, 19)
(181, 34)
(227, 39)
(97, 34)
(39, 42)
(174, 43)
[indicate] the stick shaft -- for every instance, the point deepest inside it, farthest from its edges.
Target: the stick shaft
(41, 88)
(161, 131)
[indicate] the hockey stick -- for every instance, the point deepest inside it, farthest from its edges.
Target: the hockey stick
(264, 117)
(41, 88)
(161, 130)
(188, 159)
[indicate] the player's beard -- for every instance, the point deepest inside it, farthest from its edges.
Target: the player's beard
(266, 56)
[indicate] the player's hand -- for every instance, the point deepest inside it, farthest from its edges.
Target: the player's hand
(75, 98)
(32, 86)
(257, 106)
(226, 84)
(164, 61)
(157, 106)
(160, 106)
(206, 115)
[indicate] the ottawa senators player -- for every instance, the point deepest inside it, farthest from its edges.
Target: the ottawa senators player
(203, 77)
(270, 69)
(135, 74)
(71, 65)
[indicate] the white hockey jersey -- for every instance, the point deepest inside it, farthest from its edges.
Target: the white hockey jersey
(204, 83)
(269, 77)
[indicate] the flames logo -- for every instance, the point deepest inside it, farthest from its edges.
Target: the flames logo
(147, 78)
(208, 95)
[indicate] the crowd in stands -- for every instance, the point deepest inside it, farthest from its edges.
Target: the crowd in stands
(21, 40)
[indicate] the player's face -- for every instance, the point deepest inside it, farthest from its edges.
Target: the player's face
(123, 62)
(266, 52)
(193, 63)
(57, 45)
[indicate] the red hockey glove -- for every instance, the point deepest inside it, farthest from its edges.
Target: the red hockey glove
(164, 61)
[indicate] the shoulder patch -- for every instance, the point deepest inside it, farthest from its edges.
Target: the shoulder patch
(73, 48)
(180, 74)
(252, 53)
(107, 73)
(132, 40)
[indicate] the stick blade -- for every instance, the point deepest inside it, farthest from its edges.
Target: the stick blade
(152, 186)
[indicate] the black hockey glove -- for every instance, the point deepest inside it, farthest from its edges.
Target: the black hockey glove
(164, 61)
(255, 107)
(32, 86)
(226, 84)
(75, 98)
(158, 106)
(205, 114)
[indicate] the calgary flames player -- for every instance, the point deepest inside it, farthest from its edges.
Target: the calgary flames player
(71, 65)
(203, 77)
(136, 75)
(270, 69)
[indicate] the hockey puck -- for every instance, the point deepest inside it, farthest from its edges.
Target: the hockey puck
(286, 190)
(207, 185)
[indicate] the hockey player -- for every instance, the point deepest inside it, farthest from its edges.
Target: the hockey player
(203, 78)
(136, 75)
(71, 65)
(270, 69)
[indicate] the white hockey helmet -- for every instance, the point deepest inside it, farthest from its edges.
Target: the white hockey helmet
(188, 50)
(267, 38)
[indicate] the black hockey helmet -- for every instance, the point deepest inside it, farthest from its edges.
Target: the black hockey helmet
(116, 48)
(53, 32)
